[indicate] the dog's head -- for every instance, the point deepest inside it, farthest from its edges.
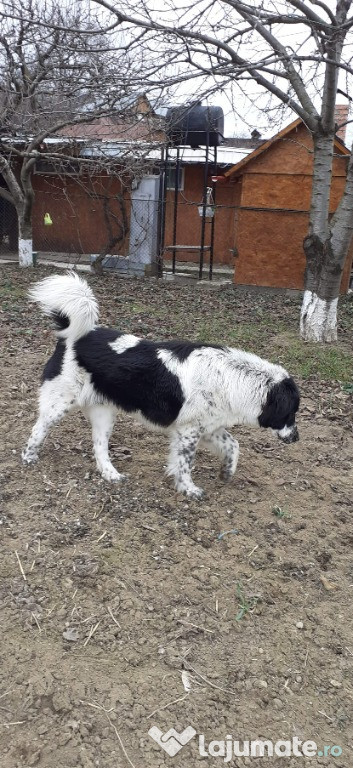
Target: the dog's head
(280, 410)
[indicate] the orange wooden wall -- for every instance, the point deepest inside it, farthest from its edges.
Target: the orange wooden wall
(273, 218)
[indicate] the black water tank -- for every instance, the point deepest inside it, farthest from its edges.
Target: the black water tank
(195, 125)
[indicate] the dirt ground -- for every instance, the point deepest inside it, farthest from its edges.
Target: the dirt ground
(116, 600)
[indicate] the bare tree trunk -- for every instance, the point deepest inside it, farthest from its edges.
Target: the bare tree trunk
(24, 211)
(318, 320)
(324, 262)
(22, 199)
(25, 245)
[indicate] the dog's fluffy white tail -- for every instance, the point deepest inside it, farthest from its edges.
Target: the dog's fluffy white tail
(70, 303)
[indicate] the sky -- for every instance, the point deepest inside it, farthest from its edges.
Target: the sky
(245, 105)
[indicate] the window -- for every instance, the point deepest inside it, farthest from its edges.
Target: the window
(47, 167)
(171, 174)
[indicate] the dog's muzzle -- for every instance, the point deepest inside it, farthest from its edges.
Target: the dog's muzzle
(288, 434)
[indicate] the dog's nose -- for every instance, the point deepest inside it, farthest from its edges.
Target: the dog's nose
(295, 435)
(290, 437)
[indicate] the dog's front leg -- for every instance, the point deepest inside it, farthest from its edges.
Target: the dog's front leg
(182, 451)
(222, 444)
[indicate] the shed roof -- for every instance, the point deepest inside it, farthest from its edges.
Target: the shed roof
(270, 142)
(226, 156)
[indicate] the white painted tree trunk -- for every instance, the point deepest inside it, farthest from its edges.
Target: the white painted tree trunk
(318, 318)
(325, 246)
(25, 252)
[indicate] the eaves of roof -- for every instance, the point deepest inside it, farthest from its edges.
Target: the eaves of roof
(235, 169)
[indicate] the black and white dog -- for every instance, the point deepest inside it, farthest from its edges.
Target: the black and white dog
(190, 391)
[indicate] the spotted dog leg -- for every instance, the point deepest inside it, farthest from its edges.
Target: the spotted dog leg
(181, 456)
(102, 418)
(222, 444)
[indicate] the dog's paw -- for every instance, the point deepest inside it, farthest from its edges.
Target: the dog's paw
(113, 476)
(226, 474)
(227, 470)
(28, 456)
(197, 494)
(192, 492)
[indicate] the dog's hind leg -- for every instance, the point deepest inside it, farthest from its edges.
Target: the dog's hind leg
(54, 403)
(102, 418)
(182, 451)
(222, 444)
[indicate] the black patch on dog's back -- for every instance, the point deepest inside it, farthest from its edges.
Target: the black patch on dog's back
(134, 380)
(54, 365)
(281, 406)
(182, 349)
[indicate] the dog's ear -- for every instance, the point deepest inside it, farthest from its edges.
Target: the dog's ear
(281, 405)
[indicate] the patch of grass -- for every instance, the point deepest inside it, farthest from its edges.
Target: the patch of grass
(250, 336)
(140, 309)
(246, 604)
(221, 330)
(345, 314)
(280, 512)
(348, 388)
(10, 288)
(328, 361)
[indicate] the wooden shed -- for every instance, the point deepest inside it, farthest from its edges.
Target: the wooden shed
(272, 187)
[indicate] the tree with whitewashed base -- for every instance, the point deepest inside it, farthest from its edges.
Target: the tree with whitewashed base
(299, 54)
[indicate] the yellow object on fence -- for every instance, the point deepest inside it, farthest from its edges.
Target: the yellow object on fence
(47, 220)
